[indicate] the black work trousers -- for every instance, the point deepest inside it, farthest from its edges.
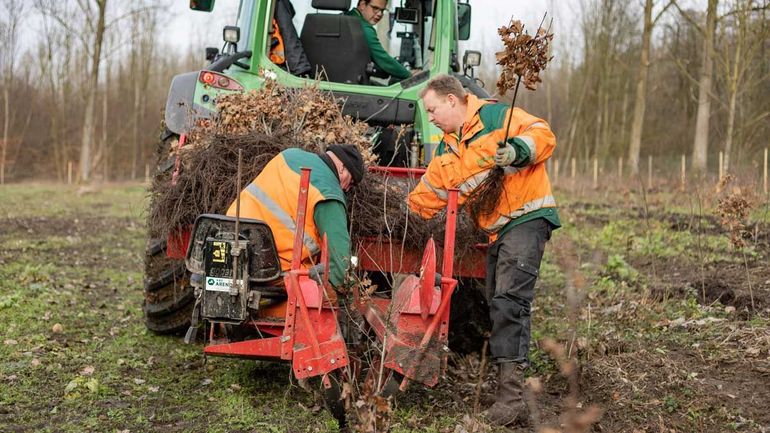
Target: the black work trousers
(513, 265)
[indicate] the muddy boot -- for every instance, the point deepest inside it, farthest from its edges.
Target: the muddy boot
(509, 406)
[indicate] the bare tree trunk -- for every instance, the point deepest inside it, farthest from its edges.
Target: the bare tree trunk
(624, 115)
(149, 21)
(9, 39)
(549, 81)
(87, 138)
(640, 103)
(608, 122)
(747, 44)
(6, 129)
(574, 121)
(105, 142)
(48, 69)
(700, 145)
(548, 101)
(730, 127)
(136, 147)
(732, 90)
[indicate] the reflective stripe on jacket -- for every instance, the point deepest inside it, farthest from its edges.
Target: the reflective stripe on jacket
(272, 198)
(464, 162)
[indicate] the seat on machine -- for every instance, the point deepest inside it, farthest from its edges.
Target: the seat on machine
(335, 43)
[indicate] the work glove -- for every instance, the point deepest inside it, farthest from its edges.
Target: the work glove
(504, 156)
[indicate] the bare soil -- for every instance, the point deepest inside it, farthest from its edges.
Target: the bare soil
(684, 348)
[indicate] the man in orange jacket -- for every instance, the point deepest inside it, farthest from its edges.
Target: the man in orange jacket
(519, 226)
(272, 197)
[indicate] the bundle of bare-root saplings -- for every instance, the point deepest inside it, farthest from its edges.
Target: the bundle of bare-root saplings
(263, 123)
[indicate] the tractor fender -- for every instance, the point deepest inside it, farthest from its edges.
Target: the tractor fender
(181, 110)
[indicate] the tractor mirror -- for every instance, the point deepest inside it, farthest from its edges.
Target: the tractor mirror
(202, 5)
(211, 53)
(406, 15)
(464, 21)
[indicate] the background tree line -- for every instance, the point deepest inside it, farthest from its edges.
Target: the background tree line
(89, 88)
(659, 77)
(630, 79)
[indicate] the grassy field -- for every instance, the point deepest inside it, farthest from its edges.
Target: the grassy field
(670, 323)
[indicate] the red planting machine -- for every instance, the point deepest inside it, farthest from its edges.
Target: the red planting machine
(293, 316)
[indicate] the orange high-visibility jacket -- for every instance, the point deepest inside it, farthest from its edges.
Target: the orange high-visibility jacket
(272, 198)
(464, 162)
(277, 50)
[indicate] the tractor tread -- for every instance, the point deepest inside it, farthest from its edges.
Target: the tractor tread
(174, 323)
(167, 277)
(168, 296)
(170, 306)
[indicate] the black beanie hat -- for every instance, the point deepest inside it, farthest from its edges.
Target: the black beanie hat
(351, 158)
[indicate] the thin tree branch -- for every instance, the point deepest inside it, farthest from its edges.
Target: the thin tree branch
(660, 14)
(689, 19)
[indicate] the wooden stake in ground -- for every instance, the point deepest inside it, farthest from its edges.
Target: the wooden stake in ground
(573, 169)
(683, 179)
(620, 167)
(556, 171)
(721, 165)
(649, 172)
(596, 173)
(764, 177)
(69, 172)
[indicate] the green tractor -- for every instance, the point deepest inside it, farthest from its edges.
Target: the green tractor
(274, 40)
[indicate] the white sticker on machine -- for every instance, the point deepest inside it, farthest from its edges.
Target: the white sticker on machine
(220, 284)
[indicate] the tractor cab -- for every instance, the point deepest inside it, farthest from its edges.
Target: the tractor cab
(322, 42)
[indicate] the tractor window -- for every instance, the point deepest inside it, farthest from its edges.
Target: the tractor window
(399, 40)
(430, 47)
(429, 42)
(406, 44)
(245, 18)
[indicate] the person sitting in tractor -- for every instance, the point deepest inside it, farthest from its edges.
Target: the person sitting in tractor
(272, 198)
(473, 145)
(370, 12)
(285, 47)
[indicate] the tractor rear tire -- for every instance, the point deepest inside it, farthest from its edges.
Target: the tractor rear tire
(168, 297)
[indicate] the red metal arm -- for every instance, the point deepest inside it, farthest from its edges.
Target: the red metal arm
(447, 267)
(299, 235)
(448, 283)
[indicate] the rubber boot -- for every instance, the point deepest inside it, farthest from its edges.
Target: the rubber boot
(509, 406)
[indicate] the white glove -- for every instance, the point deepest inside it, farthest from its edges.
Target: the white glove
(504, 156)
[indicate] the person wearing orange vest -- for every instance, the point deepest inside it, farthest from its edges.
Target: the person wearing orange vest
(277, 54)
(474, 144)
(272, 198)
